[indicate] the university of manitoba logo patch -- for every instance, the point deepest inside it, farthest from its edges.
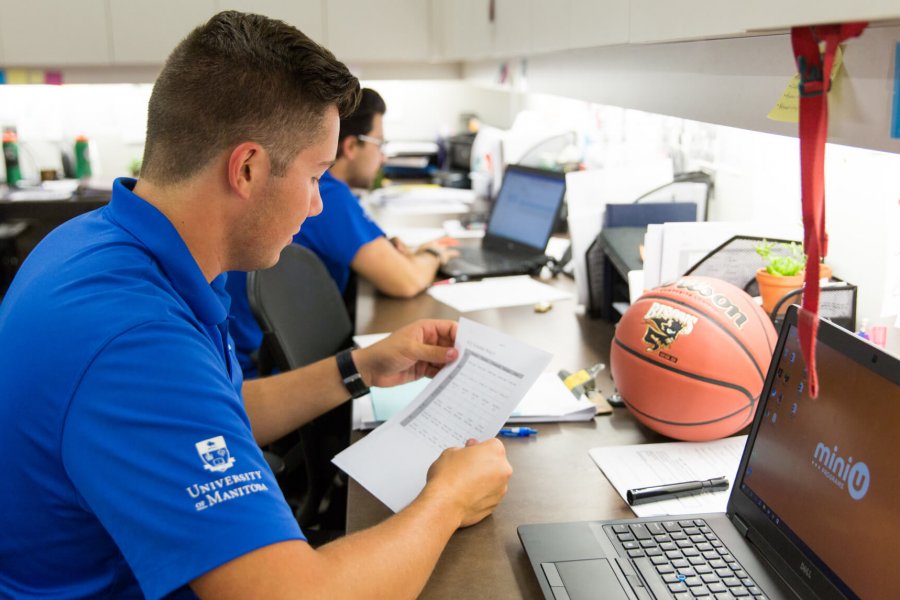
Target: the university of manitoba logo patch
(664, 324)
(215, 455)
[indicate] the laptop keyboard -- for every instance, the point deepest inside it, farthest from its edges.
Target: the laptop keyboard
(486, 261)
(684, 557)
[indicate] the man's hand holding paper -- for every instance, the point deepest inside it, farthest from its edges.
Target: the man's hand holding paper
(417, 350)
(470, 398)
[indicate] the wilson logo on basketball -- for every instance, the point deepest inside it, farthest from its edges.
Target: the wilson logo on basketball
(665, 324)
(719, 300)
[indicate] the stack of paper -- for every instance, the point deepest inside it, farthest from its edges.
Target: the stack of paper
(548, 401)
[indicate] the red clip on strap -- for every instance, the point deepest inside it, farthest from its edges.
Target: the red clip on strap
(815, 81)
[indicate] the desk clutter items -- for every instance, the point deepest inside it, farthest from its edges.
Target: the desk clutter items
(690, 358)
(547, 401)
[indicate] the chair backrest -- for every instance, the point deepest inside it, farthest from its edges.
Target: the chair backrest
(299, 308)
(304, 319)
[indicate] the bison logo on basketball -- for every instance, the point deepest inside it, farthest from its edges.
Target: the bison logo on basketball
(665, 324)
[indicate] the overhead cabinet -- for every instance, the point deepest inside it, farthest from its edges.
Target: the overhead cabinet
(653, 21)
(379, 30)
(40, 33)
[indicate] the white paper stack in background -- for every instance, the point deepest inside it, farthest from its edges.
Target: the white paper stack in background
(496, 292)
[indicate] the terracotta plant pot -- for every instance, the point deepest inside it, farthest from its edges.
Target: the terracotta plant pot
(773, 288)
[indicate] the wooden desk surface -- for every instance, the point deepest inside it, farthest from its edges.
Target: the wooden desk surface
(554, 479)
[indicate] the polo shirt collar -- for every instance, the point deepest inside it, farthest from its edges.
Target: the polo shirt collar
(151, 227)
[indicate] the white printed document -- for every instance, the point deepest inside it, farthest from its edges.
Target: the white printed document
(645, 465)
(469, 398)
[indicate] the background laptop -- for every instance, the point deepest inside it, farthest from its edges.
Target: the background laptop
(813, 513)
(524, 213)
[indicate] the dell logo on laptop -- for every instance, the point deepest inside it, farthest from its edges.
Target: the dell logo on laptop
(804, 568)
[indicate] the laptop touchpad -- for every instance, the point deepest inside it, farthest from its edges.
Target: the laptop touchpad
(586, 579)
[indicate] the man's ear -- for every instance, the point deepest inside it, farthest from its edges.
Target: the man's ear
(349, 145)
(248, 165)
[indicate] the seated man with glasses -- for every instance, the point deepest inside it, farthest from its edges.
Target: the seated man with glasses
(343, 236)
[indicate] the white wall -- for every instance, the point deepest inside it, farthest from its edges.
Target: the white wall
(758, 180)
(114, 117)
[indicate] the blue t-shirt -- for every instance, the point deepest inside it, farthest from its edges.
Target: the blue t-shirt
(128, 462)
(335, 235)
(340, 231)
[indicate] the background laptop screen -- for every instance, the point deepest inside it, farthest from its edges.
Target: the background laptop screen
(526, 208)
(824, 471)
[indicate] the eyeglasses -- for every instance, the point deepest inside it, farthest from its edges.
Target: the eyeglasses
(378, 143)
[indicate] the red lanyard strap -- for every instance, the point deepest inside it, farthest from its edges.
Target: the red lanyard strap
(814, 68)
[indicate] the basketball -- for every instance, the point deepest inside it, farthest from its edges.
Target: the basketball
(690, 358)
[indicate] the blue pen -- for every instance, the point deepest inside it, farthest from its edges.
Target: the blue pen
(517, 431)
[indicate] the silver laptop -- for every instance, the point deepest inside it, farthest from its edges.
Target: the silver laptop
(521, 221)
(813, 513)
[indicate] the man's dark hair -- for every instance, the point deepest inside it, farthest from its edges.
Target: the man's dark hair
(241, 77)
(360, 121)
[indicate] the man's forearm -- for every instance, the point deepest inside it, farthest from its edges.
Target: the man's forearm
(391, 560)
(280, 404)
(397, 556)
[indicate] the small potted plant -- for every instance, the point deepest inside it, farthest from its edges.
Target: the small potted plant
(784, 271)
(134, 167)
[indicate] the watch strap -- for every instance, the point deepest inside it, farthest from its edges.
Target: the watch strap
(350, 375)
(433, 252)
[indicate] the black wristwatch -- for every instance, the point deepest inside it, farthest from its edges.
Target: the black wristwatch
(352, 379)
(434, 253)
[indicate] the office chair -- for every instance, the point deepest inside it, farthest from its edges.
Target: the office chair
(303, 319)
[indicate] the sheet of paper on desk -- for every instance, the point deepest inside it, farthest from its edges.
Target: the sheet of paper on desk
(645, 465)
(471, 398)
(496, 292)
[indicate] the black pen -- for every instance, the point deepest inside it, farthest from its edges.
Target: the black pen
(674, 490)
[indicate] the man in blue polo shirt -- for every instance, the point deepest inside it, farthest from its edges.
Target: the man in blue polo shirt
(128, 441)
(343, 236)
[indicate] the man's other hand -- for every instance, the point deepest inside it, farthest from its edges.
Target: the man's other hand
(417, 350)
(473, 479)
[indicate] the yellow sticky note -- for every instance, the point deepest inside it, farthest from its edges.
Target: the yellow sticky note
(16, 76)
(787, 109)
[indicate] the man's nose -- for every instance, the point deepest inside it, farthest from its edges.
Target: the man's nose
(316, 205)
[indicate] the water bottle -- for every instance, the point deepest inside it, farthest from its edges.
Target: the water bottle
(82, 158)
(11, 158)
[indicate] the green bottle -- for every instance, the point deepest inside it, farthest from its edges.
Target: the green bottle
(82, 158)
(11, 158)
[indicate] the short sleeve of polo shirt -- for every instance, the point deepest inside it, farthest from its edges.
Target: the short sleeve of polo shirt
(159, 448)
(337, 234)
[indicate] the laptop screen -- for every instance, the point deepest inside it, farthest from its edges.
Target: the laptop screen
(526, 208)
(824, 471)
